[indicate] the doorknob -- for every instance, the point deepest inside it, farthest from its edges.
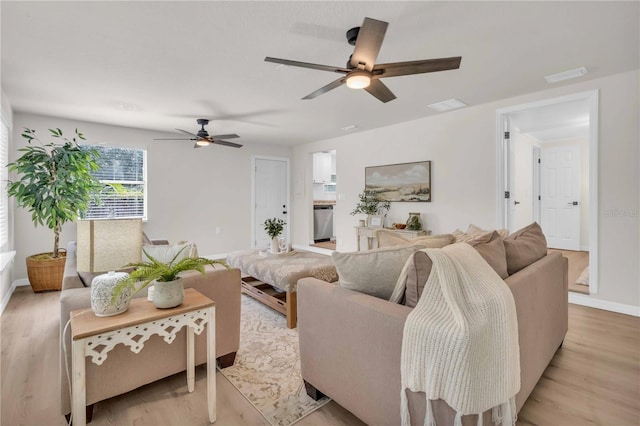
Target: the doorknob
(573, 203)
(284, 212)
(516, 202)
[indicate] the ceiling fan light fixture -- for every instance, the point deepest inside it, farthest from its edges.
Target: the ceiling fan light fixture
(358, 80)
(203, 142)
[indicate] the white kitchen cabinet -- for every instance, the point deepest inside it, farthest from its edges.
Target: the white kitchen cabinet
(321, 167)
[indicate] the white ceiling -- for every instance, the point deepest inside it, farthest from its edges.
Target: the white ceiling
(553, 123)
(160, 65)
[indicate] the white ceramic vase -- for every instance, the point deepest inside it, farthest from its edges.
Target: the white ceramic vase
(275, 245)
(168, 294)
(102, 292)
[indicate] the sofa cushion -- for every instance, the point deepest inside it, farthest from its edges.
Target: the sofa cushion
(419, 269)
(372, 272)
(524, 247)
(165, 254)
(491, 248)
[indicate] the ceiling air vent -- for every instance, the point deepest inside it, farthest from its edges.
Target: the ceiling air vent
(566, 75)
(447, 105)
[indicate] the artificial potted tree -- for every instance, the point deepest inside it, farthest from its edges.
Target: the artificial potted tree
(274, 228)
(370, 204)
(55, 183)
(165, 277)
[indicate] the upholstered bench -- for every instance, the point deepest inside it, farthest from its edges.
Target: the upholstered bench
(273, 279)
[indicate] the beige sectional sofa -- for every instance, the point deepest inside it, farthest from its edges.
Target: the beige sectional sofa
(350, 342)
(123, 370)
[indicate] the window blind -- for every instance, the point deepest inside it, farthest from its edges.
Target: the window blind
(123, 173)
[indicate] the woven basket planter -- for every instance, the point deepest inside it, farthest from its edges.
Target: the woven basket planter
(45, 275)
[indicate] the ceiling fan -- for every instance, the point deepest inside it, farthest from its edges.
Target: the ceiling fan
(362, 72)
(202, 138)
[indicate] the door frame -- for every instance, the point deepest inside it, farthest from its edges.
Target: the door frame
(287, 160)
(502, 116)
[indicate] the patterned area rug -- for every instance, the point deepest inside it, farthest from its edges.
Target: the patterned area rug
(267, 367)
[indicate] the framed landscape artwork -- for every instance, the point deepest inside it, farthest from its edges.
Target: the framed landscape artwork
(400, 182)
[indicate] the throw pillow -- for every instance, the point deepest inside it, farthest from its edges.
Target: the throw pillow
(434, 241)
(388, 238)
(166, 253)
(524, 247)
(417, 275)
(372, 272)
(491, 248)
(475, 230)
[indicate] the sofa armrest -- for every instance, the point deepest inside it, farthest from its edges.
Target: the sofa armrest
(350, 342)
(541, 297)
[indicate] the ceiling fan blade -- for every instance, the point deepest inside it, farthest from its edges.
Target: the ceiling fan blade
(161, 139)
(417, 67)
(229, 136)
(226, 143)
(324, 89)
(368, 43)
(380, 91)
(307, 65)
(188, 133)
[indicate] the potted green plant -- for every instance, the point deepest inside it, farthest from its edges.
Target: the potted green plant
(55, 183)
(370, 203)
(165, 277)
(274, 228)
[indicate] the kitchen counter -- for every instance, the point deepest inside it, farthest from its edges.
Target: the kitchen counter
(324, 202)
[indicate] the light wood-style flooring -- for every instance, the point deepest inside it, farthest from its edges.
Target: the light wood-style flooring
(593, 380)
(578, 260)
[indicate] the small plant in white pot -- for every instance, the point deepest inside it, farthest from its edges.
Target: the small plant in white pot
(274, 228)
(165, 277)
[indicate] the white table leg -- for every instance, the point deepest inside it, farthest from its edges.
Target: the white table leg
(78, 382)
(211, 363)
(191, 365)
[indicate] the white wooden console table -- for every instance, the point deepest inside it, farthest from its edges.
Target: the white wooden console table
(95, 337)
(370, 233)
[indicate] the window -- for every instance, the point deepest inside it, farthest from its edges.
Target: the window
(124, 174)
(4, 175)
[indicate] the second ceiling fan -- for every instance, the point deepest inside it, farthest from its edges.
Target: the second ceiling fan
(203, 139)
(362, 72)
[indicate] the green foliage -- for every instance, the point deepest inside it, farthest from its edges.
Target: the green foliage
(274, 226)
(370, 203)
(147, 272)
(54, 181)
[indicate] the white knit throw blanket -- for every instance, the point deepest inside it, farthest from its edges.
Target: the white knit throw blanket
(460, 342)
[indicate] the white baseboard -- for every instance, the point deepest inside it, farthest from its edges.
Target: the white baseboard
(7, 297)
(586, 300)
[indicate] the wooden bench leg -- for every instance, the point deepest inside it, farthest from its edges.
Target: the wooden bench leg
(292, 309)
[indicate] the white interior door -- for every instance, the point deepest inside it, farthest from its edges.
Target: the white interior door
(271, 196)
(560, 196)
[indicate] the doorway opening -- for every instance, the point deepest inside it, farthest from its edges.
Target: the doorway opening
(547, 171)
(324, 199)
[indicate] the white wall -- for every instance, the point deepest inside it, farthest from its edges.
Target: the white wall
(190, 192)
(462, 146)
